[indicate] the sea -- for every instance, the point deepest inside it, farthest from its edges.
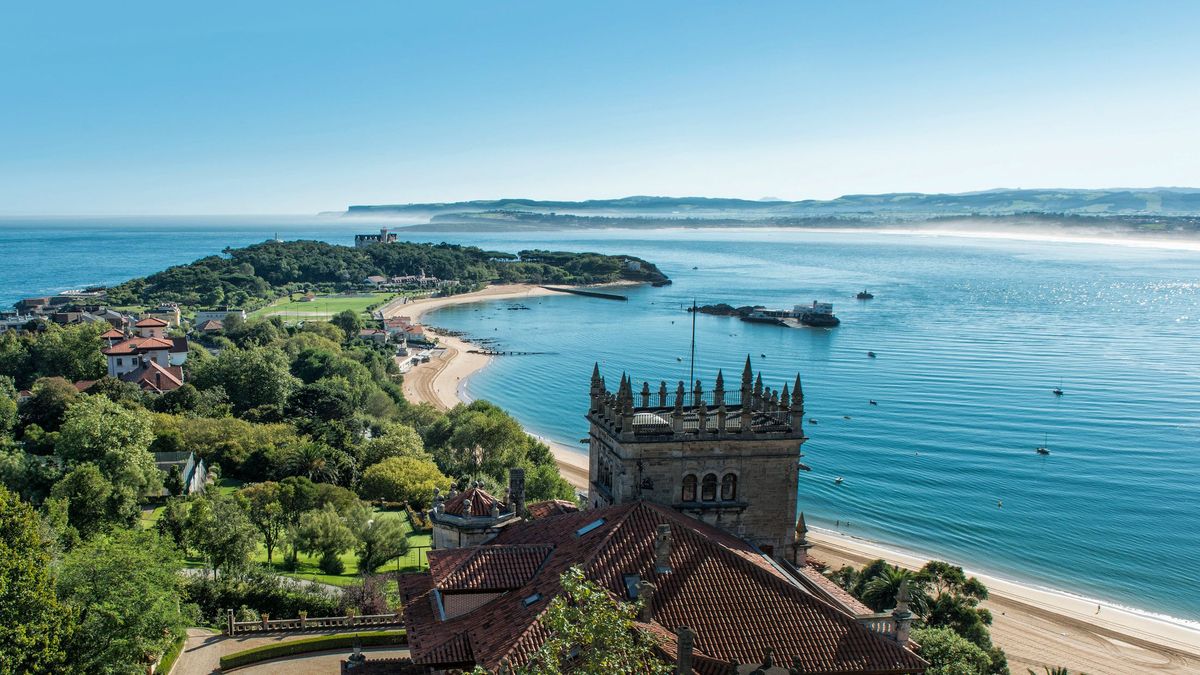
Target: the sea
(971, 335)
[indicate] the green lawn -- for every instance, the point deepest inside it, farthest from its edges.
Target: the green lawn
(415, 560)
(323, 306)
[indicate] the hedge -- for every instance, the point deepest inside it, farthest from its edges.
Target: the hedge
(316, 644)
(168, 660)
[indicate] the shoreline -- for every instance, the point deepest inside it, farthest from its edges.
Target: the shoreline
(443, 380)
(1037, 627)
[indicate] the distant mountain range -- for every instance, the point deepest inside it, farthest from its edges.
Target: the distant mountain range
(1170, 209)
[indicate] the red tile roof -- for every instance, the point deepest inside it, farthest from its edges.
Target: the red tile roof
(113, 334)
(737, 602)
(137, 345)
(481, 502)
(486, 568)
(155, 378)
(552, 507)
(151, 322)
(210, 325)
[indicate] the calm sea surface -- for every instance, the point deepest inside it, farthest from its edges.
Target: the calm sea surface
(971, 337)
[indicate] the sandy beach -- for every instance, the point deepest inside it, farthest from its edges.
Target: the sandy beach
(1036, 628)
(437, 382)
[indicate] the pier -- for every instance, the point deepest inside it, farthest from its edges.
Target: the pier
(590, 294)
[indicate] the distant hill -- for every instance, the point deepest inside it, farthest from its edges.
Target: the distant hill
(906, 206)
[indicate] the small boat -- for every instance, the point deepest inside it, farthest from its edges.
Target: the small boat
(870, 355)
(864, 295)
(695, 268)
(1058, 390)
(812, 420)
(838, 480)
(1042, 449)
(872, 401)
(678, 358)
(845, 417)
(762, 356)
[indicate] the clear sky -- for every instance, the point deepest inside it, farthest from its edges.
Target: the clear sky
(294, 107)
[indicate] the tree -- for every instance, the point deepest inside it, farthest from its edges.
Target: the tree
(250, 377)
(174, 482)
(32, 624)
(297, 495)
(172, 523)
(262, 505)
(116, 440)
(948, 653)
(220, 530)
(403, 479)
(92, 504)
(48, 404)
(879, 593)
(397, 440)
(349, 321)
(323, 531)
(380, 540)
(544, 482)
(8, 405)
(124, 588)
(590, 633)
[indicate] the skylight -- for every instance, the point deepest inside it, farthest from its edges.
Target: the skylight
(631, 585)
(589, 527)
(532, 599)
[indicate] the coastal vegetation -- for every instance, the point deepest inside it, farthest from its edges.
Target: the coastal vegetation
(316, 464)
(951, 627)
(256, 275)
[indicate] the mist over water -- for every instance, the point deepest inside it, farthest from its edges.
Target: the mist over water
(971, 336)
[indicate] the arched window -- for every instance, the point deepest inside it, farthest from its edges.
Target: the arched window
(729, 488)
(689, 488)
(708, 488)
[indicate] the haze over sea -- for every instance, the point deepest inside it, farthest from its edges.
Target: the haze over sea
(971, 335)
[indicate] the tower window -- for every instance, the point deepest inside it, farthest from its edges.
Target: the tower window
(689, 488)
(708, 488)
(729, 487)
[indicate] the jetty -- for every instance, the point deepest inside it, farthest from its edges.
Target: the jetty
(590, 294)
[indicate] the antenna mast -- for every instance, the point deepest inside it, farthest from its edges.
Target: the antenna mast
(692, 368)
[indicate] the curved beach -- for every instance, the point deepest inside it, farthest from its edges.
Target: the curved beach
(1036, 627)
(439, 381)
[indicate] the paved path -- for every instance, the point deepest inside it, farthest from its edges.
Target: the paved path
(204, 649)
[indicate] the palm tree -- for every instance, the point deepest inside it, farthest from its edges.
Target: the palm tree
(1056, 670)
(880, 592)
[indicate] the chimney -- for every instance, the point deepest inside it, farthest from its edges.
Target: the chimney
(800, 546)
(901, 616)
(516, 490)
(662, 549)
(686, 640)
(646, 591)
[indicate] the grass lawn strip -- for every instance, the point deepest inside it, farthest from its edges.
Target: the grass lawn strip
(316, 644)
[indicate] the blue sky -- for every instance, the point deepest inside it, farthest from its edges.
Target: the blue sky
(297, 107)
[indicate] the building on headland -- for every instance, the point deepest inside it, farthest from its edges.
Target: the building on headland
(384, 237)
(218, 314)
(150, 359)
(167, 311)
(726, 457)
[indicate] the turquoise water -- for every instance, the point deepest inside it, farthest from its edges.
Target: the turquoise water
(971, 336)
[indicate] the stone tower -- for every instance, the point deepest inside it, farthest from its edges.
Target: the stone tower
(729, 458)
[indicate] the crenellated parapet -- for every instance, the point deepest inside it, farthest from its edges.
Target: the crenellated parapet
(654, 412)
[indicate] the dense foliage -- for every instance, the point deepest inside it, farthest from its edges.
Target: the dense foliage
(265, 270)
(944, 598)
(301, 425)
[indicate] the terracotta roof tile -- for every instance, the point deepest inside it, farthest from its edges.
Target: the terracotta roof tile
(488, 568)
(137, 345)
(736, 601)
(552, 507)
(481, 502)
(151, 322)
(113, 334)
